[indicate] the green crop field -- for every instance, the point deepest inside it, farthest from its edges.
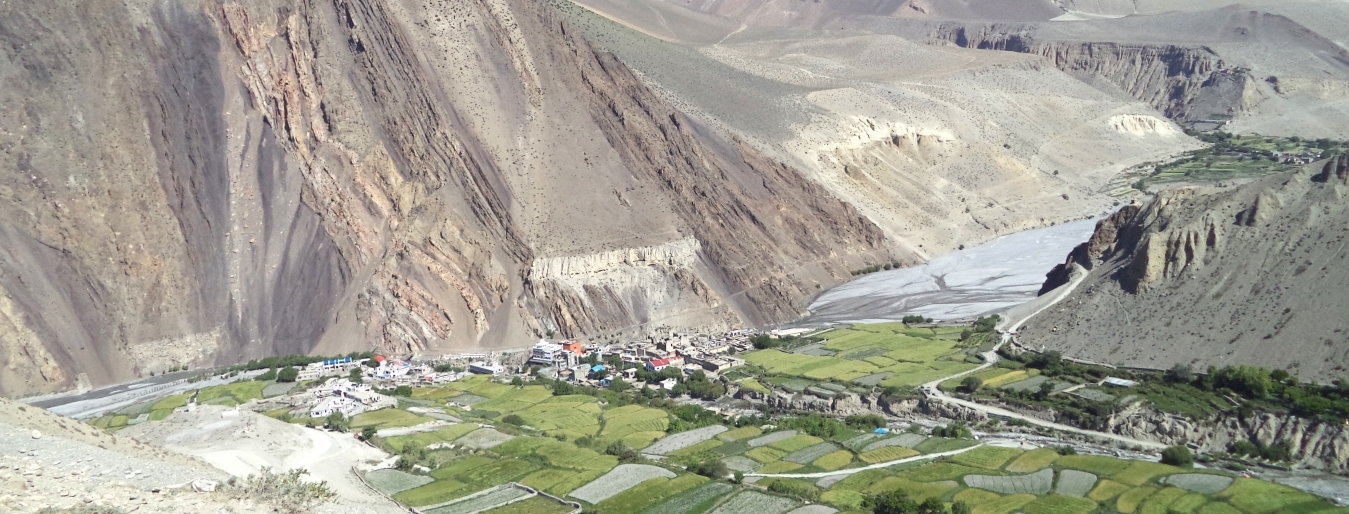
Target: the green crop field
(1034, 460)
(833, 460)
(986, 457)
(1107, 489)
(911, 356)
(1260, 497)
(1129, 501)
(239, 392)
(1139, 472)
(535, 505)
(765, 454)
(919, 491)
(740, 433)
(1095, 464)
(942, 444)
(797, 442)
(648, 493)
(780, 466)
(563, 448)
(1059, 505)
(886, 454)
(171, 402)
(388, 418)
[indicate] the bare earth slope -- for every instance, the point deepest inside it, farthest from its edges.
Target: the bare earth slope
(1249, 275)
(208, 181)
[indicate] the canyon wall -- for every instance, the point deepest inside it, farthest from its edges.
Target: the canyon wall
(191, 183)
(1211, 277)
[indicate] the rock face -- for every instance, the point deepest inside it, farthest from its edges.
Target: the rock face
(1311, 443)
(1246, 275)
(210, 181)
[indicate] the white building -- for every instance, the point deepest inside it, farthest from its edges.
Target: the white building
(545, 353)
(327, 406)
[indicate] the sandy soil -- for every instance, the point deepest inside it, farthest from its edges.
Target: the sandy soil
(244, 442)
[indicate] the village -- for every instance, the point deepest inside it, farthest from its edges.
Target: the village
(354, 386)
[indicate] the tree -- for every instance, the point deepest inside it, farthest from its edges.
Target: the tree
(355, 375)
(368, 432)
(371, 362)
(965, 334)
(337, 422)
(932, 506)
(1180, 374)
(623, 452)
(1178, 456)
(971, 384)
(713, 468)
(1046, 388)
(517, 381)
(865, 421)
(287, 374)
(402, 391)
(619, 386)
(961, 507)
(893, 502)
(1278, 375)
(267, 375)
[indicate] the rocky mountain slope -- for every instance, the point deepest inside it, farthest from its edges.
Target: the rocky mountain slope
(1247, 275)
(211, 181)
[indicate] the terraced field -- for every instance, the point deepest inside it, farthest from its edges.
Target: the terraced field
(909, 356)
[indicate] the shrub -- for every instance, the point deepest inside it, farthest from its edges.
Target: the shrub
(793, 488)
(513, 419)
(402, 391)
(623, 452)
(287, 374)
(286, 492)
(714, 469)
(338, 422)
(267, 375)
(1180, 374)
(971, 384)
(1066, 450)
(1178, 456)
(865, 421)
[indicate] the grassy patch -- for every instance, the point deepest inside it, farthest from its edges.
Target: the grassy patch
(1034, 460)
(1188, 504)
(1107, 489)
(239, 392)
(986, 457)
(639, 440)
(1003, 504)
(1218, 508)
(443, 435)
(1095, 464)
(1059, 505)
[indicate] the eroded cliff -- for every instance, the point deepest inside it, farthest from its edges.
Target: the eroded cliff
(204, 182)
(1244, 275)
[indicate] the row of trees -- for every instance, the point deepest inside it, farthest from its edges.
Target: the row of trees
(1325, 402)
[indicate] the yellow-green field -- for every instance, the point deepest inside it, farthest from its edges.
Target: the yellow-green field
(912, 356)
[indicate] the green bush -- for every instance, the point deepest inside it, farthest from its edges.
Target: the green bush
(287, 374)
(1179, 456)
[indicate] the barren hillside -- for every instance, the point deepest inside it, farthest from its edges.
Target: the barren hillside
(198, 182)
(1249, 275)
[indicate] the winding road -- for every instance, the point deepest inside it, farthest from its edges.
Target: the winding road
(991, 358)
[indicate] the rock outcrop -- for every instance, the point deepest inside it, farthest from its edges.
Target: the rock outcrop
(1311, 443)
(189, 183)
(1243, 275)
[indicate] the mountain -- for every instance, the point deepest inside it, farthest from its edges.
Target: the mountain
(208, 182)
(1212, 277)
